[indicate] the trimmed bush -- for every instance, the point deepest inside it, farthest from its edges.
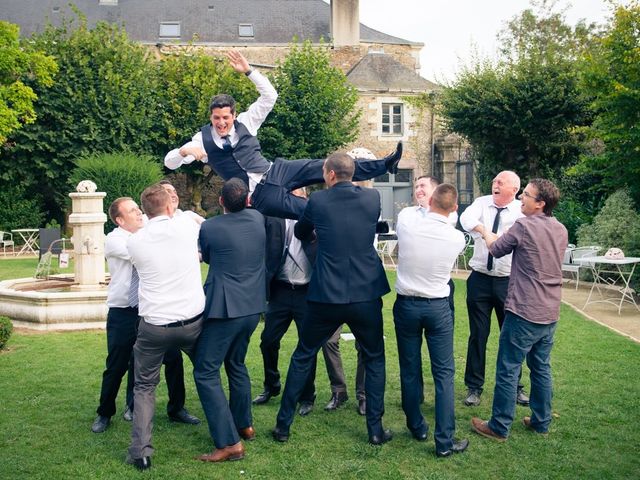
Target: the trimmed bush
(123, 174)
(19, 208)
(6, 329)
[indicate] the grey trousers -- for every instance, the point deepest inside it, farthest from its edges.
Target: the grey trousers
(333, 360)
(151, 344)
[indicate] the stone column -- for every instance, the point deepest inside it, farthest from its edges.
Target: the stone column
(88, 219)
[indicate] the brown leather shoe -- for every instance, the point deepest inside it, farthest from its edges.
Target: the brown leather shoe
(232, 452)
(481, 427)
(248, 433)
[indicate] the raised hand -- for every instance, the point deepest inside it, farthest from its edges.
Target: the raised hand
(238, 62)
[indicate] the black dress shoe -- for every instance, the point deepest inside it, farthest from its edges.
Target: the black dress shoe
(265, 396)
(100, 424)
(362, 406)
(392, 160)
(280, 435)
(457, 447)
(386, 436)
(522, 398)
(143, 463)
(337, 400)
(421, 435)
(184, 417)
(305, 409)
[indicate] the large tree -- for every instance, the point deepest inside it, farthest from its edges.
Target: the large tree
(17, 65)
(315, 112)
(612, 77)
(524, 111)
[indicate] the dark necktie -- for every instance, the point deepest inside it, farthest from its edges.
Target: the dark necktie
(494, 229)
(226, 144)
(133, 289)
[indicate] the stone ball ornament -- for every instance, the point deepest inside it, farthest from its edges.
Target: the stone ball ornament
(86, 186)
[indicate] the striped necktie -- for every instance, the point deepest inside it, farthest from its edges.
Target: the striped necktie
(226, 144)
(133, 288)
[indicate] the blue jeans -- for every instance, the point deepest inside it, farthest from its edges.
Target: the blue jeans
(520, 338)
(433, 318)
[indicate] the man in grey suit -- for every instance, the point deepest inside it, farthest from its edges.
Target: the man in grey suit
(346, 286)
(233, 245)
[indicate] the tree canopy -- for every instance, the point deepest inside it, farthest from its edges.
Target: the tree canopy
(524, 111)
(18, 65)
(612, 78)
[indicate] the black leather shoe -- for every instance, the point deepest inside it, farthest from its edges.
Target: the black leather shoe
(100, 424)
(305, 409)
(184, 417)
(280, 435)
(337, 400)
(143, 463)
(421, 436)
(522, 398)
(127, 415)
(362, 406)
(392, 160)
(457, 447)
(265, 396)
(386, 436)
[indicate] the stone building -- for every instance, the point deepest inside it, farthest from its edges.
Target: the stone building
(394, 99)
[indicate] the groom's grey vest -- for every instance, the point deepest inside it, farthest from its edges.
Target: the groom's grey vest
(245, 157)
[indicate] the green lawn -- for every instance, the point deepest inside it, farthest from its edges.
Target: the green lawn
(49, 386)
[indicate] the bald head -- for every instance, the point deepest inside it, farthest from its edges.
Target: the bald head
(505, 187)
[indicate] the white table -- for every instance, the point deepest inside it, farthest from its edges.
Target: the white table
(30, 238)
(610, 273)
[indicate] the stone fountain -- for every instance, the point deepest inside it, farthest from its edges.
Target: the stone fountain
(67, 302)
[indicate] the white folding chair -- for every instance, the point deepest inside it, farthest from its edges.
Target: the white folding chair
(6, 240)
(386, 249)
(569, 263)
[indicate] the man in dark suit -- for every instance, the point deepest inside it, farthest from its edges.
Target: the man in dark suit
(346, 286)
(289, 262)
(233, 245)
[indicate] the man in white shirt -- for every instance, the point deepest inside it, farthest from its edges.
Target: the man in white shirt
(171, 301)
(230, 146)
(175, 200)
(428, 246)
(489, 279)
(122, 322)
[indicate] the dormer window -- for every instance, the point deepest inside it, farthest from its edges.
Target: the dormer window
(170, 30)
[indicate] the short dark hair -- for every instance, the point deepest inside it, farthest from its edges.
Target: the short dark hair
(114, 208)
(223, 100)
(433, 180)
(234, 195)
(165, 182)
(445, 197)
(547, 193)
(154, 200)
(342, 165)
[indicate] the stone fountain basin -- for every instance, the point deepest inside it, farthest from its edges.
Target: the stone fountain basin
(56, 303)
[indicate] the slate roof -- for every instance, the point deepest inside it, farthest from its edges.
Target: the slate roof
(213, 21)
(382, 73)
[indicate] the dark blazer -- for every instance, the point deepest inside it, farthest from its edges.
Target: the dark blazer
(274, 258)
(347, 268)
(233, 245)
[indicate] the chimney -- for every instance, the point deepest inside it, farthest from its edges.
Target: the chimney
(345, 23)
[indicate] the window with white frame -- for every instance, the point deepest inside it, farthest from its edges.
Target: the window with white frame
(245, 30)
(169, 29)
(392, 119)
